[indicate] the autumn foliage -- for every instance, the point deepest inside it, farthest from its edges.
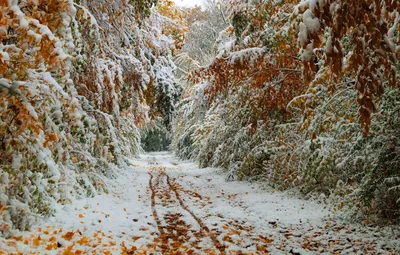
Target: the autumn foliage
(302, 94)
(73, 81)
(265, 65)
(357, 41)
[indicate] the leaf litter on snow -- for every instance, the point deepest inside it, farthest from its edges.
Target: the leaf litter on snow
(235, 218)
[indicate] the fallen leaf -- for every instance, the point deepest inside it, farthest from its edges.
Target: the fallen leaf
(52, 246)
(36, 242)
(68, 251)
(83, 241)
(68, 236)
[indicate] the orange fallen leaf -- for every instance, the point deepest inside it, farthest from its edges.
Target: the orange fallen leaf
(81, 216)
(51, 247)
(68, 251)
(17, 238)
(262, 249)
(83, 241)
(36, 242)
(135, 238)
(268, 241)
(68, 236)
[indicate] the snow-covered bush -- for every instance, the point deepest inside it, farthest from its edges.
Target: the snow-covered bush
(293, 98)
(73, 92)
(189, 114)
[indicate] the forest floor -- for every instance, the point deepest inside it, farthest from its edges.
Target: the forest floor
(165, 206)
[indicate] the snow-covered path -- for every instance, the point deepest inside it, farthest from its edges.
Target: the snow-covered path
(166, 206)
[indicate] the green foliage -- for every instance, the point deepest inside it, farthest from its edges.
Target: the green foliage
(156, 141)
(143, 8)
(240, 21)
(156, 136)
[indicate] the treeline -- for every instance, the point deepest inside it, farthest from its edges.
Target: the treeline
(303, 95)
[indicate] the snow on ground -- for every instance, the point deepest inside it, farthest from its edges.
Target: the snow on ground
(161, 205)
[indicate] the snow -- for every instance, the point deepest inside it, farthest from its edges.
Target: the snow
(4, 55)
(31, 110)
(16, 162)
(251, 53)
(307, 53)
(329, 45)
(303, 35)
(313, 4)
(311, 22)
(242, 216)
(13, 6)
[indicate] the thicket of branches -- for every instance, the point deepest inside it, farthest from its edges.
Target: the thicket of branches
(303, 94)
(77, 81)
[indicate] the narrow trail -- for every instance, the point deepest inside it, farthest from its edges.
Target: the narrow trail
(174, 188)
(161, 205)
(175, 224)
(175, 233)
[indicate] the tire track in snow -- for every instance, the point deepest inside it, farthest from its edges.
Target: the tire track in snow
(212, 236)
(174, 235)
(176, 230)
(164, 245)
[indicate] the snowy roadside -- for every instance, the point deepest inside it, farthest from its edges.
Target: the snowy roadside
(161, 201)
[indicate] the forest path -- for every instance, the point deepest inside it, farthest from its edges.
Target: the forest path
(162, 205)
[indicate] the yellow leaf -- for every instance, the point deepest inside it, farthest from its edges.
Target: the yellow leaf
(36, 241)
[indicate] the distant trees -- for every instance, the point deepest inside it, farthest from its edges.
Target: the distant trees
(163, 90)
(205, 25)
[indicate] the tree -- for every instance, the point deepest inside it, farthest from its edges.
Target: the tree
(367, 28)
(75, 80)
(293, 92)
